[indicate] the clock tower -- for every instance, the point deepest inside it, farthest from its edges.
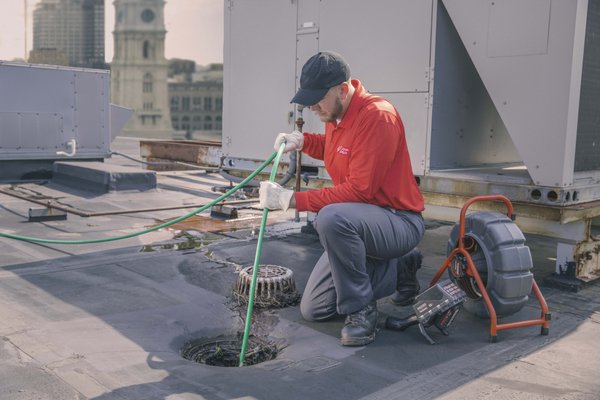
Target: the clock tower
(139, 67)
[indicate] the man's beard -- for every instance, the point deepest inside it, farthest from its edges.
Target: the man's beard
(336, 113)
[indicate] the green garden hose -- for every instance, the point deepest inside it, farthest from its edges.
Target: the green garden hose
(276, 156)
(261, 233)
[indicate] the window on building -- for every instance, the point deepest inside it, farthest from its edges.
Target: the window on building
(219, 103)
(146, 50)
(208, 103)
(174, 103)
(148, 106)
(147, 83)
(185, 123)
(175, 122)
(218, 123)
(208, 123)
(185, 103)
(197, 123)
(197, 103)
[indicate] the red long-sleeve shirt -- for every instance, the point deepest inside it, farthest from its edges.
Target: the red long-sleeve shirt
(366, 157)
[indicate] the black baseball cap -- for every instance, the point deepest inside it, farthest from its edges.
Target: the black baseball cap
(321, 72)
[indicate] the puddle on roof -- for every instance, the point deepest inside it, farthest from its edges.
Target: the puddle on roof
(208, 224)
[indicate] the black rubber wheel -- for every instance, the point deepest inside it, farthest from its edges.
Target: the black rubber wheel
(502, 260)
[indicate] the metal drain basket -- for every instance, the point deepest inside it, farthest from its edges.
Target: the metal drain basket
(275, 286)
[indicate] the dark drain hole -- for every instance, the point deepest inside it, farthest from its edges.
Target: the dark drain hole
(225, 351)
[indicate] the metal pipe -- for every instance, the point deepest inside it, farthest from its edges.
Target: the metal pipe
(72, 145)
(299, 124)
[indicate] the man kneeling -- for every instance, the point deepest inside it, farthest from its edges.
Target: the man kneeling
(369, 222)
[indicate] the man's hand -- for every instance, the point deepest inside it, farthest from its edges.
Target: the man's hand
(293, 141)
(273, 196)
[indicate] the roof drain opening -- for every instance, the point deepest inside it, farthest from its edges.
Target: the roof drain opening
(224, 351)
(275, 287)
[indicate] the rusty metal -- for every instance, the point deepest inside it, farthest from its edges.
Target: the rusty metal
(158, 165)
(223, 211)
(564, 222)
(586, 255)
(205, 153)
(275, 286)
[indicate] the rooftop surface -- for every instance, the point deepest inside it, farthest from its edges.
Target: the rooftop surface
(108, 320)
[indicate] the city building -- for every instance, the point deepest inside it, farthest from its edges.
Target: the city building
(69, 32)
(139, 67)
(196, 100)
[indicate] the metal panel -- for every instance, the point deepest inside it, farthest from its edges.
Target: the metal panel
(308, 14)
(118, 117)
(91, 102)
(307, 45)
(26, 131)
(536, 95)
(259, 69)
(587, 153)
(42, 108)
(386, 42)
(25, 88)
(466, 130)
(528, 34)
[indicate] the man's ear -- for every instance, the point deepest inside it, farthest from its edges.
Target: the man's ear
(344, 89)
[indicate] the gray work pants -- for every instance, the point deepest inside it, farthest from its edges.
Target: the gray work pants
(362, 245)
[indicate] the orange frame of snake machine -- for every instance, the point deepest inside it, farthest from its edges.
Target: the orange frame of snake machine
(472, 272)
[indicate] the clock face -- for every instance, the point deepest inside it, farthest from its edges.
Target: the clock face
(147, 15)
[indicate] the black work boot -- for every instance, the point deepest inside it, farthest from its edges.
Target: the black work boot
(407, 284)
(359, 328)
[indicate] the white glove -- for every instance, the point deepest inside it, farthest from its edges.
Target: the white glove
(273, 196)
(293, 141)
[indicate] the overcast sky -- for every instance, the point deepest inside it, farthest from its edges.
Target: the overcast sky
(194, 29)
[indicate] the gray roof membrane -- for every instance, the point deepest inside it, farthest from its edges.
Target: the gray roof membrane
(108, 321)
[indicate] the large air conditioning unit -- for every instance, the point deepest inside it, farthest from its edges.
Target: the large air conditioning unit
(50, 113)
(497, 96)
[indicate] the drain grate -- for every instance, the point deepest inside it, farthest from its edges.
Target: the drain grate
(275, 286)
(224, 351)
